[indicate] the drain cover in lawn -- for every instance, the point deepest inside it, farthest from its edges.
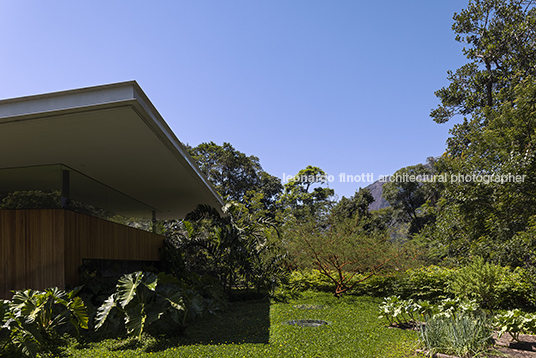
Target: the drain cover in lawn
(307, 322)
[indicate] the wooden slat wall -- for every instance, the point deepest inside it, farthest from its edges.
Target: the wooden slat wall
(31, 250)
(87, 237)
(45, 248)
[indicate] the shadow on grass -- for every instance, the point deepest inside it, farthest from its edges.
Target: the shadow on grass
(240, 323)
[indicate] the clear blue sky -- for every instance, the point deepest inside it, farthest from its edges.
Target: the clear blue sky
(345, 85)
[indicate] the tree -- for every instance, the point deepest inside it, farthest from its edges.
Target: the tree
(501, 45)
(409, 189)
(483, 215)
(235, 175)
(346, 252)
(302, 203)
(491, 195)
(357, 204)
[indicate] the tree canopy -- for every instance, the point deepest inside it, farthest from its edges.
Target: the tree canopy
(235, 175)
(298, 200)
(500, 39)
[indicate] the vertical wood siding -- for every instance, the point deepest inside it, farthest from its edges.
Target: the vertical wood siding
(31, 249)
(87, 237)
(45, 248)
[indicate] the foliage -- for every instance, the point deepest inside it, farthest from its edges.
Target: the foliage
(494, 147)
(32, 318)
(409, 190)
(426, 283)
(515, 322)
(462, 335)
(301, 203)
(304, 280)
(409, 312)
(31, 199)
(356, 205)
(492, 286)
(143, 298)
(399, 312)
(343, 251)
(235, 175)
(499, 38)
(513, 288)
(236, 249)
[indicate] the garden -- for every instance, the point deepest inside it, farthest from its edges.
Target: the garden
(445, 269)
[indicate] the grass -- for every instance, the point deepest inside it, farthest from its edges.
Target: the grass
(257, 329)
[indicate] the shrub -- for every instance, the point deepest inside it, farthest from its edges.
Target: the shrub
(493, 286)
(302, 280)
(379, 286)
(426, 283)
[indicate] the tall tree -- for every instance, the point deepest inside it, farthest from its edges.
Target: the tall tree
(496, 91)
(491, 195)
(302, 203)
(500, 39)
(235, 175)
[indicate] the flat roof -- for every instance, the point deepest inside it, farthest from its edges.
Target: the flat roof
(111, 133)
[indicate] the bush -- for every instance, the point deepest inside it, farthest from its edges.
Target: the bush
(493, 286)
(490, 285)
(379, 286)
(426, 283)
(303, 280)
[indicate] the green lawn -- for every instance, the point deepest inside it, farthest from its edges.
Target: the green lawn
(257, 329)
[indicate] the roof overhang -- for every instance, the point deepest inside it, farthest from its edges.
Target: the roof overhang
(111, 133)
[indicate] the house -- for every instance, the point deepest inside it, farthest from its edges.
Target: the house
(75, 167)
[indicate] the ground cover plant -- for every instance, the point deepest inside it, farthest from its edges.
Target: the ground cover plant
(257, 328)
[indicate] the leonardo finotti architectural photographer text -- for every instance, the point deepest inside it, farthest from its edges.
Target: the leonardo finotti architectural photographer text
(408, 178)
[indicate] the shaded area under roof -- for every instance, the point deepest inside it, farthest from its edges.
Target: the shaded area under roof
(111, 133)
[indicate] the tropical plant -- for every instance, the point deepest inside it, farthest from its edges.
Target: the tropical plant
(236, 249)
(143, 298)
(32, 317)
(401, 312)
(451, 307)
